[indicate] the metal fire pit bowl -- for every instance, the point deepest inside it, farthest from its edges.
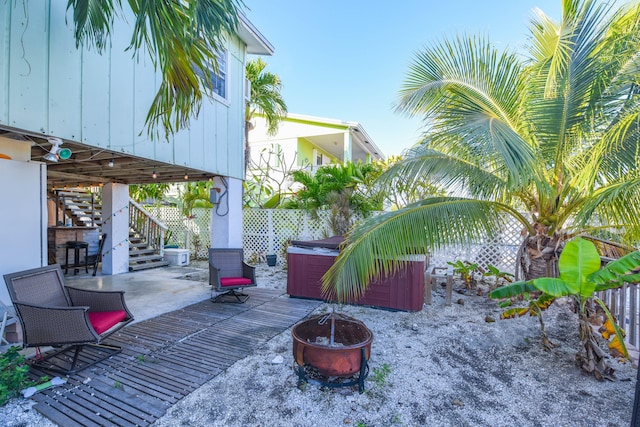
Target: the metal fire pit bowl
(335, 345)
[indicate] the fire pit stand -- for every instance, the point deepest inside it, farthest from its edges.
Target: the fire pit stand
(331, 349)
(324, 381)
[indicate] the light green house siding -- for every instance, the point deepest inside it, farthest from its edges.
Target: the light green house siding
(305, 153)
(50, 88)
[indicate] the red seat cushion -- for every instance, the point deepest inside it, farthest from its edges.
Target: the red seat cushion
(235, 281)
(104, 320)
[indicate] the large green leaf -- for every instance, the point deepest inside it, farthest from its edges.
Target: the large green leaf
(578, 260)
(613, 271)
(513, 290)
(556, 287)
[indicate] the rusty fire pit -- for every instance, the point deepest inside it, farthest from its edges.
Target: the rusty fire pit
(334, 345)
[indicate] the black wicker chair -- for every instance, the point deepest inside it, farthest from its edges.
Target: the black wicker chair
(71, 319)
(228, 273)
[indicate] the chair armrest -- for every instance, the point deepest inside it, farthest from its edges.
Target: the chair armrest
(98, 300)
(214, 277)
(54, 325)
(249, 272)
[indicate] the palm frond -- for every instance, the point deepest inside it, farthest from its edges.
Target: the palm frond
(452, 172)
(266, 97)
(180, 37)
(378, 245)
(93, 21)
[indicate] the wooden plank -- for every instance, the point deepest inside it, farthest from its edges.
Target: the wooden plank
(182, 350)
(155, 409)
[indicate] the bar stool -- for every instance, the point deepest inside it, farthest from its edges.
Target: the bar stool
(76, 246)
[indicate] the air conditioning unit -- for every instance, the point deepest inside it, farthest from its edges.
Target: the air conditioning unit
(247, 90)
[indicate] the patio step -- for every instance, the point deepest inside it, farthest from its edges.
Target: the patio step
(147, 265)
(144, 250)
(144, 258)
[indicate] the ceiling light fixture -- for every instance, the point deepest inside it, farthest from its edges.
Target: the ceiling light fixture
(56, 152)
(111, 163)
(186, 176)
(154, 175)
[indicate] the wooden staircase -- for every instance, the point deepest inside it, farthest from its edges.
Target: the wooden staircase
(81, 207)
(146, 239)
(142, 256)
(146, 235)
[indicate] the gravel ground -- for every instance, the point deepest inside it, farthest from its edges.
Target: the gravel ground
(443, 366)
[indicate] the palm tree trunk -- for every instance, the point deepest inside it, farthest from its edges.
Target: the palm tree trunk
(538, 256)
(247, 149)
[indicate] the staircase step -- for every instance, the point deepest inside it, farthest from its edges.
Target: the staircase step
(137, 243)
(139, 252)
(144, 258)
(147, 265)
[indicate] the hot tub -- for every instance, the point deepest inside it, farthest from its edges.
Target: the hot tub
(309, 260)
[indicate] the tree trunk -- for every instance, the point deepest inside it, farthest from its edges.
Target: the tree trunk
(538, 257)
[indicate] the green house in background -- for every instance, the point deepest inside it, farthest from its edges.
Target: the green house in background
(315, 141)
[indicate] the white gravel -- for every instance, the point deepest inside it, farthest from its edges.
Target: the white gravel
(447, 366)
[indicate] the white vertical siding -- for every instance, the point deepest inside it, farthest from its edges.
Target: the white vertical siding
(52, 88)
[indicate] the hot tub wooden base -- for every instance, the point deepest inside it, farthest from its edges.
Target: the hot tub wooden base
(403, 290)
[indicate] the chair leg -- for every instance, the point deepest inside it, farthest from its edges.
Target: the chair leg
(239, 297)
(2, 326)
(60, 365)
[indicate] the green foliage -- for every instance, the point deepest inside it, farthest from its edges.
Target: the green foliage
(580, 276)
(380, 375)
(266, 97)
(195, 195)
(142, 192)
(553, 132)
(400, 191)
(503, 276)
(13, 374)
(342, 188)
(118, 385)
(466, 270)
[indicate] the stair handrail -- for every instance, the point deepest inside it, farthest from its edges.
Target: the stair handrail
(147, 226)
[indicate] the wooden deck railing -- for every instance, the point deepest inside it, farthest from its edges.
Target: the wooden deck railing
(147, 227)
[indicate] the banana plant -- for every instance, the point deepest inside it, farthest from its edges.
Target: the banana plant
(503, 276)
(580, 278)
(465, 269)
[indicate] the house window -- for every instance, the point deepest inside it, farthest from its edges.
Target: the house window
(217, 81)
(319, 159)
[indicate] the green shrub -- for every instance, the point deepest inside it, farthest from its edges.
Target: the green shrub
(13, 374)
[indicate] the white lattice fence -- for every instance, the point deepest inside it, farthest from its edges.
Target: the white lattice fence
(500, 252)
(191, 233)
(267, 231)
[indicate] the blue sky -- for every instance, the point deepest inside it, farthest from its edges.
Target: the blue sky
(347, 59)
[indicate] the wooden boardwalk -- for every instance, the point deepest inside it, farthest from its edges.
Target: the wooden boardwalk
(166, 358)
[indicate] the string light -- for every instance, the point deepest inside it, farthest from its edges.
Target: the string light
(186, 176)
(154, 175)
(111, 163)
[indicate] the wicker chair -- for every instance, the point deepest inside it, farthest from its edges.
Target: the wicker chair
(73, 319)
(227, 273)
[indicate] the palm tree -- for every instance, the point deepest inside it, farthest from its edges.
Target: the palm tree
(265, 99)
(181, 38)
(555, 135)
